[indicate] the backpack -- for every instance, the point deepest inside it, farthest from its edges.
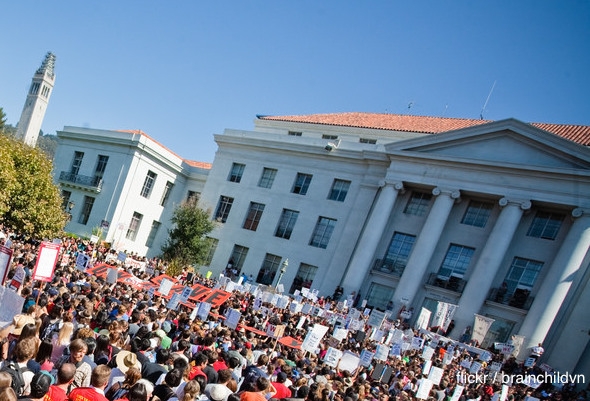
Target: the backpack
(49, 330)
(16, 373)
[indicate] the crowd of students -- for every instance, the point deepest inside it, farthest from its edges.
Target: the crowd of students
(79, 338)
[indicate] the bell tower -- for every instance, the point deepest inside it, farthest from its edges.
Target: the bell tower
(33, 112)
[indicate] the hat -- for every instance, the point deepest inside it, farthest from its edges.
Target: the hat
(104, 332)
(126, 360)
(281, 377)
(40, 384)
(347, 381)
(21, 321)
(53, 292)
(218, 392)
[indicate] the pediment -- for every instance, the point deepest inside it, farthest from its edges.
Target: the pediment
(502, 142)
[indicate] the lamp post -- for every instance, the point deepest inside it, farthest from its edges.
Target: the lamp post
(284, 266)
(69, 210)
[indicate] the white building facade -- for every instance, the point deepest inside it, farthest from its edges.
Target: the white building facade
(124, 183)
(407, 211)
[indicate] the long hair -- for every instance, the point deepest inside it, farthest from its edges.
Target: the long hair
(65, 333)
(191, 390)
(45, 350)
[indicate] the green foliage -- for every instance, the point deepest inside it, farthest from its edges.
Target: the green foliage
(187, 242)
(2, 120)
(29, 201)
(47, 144)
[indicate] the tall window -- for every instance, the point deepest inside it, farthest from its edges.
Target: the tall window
(101, 165)
(301, 183)
(192, 196)
(268, 270)
(379, 295)
(304, 277)
(322, 232)
(456, 261)
(267, 177)
(545, 225)
(236, 172)
(148, 184)
(398, 252)
(86, 210)
(153, 232)
(213, 242)
(286, 223)
(238, 256)
(477, 214)
(65, 199)
(339, 190)
(418, 203)
(522, 274)
(134, 226)
(223, 208)
(166, 193)
(35, 88)
(253, 216)
(76, 163)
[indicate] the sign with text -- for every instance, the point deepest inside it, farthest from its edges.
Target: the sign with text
(46, 261)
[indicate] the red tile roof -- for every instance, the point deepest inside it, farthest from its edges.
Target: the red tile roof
(430, 125)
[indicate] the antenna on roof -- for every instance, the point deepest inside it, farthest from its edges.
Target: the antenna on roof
(486, 102)
(410, 105)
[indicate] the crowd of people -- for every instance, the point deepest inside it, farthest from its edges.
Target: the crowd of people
(80, 338)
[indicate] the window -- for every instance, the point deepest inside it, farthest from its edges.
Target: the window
(253, 216)
(477, 214)
(65, 199)
(235, 174)
(367, 140)
(268, 271)
(330, 137)
(295, 133)
(398, 253)
(166, 193)
(192, 196)
(35, 88)
(45, 91)
(153, 231)
(86, 210)
(322, 232)
(223, 208)
(379, 296)
(213, 242)
(545, 225)
(339, 190)
(134, 226)
(286, 223)
(238, 256)
(267, 177)
(301, 183)
(418, 203)
(101, 165)
(522, 274)
(76, 163)
(456, 261)
(304, 277)
(148, 184)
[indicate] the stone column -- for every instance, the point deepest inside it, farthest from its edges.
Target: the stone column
(557, 282)
(364, 253)
(489, 262)
(413, 276)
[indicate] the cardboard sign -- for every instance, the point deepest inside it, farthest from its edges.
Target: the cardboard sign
(46, 261)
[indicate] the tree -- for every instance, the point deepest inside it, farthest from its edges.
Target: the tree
(29, 200)
(2, 120)
(187, 242)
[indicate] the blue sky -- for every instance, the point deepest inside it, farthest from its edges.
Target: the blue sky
(184, 70)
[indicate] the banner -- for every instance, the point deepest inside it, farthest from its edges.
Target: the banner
(517, 341)
(443, 316)
(480, 327)
(423, 319)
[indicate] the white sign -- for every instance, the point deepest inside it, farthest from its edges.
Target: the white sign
(204, 308)
(232, 318)
(314, 337)
(366, 358)
(423, 319)
(435, 375)
(424, 390)
(480, 327)
(457, 393)
(381, 352)
(349, 361)
(332, 357)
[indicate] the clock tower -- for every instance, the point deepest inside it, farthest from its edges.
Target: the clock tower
(33, 112)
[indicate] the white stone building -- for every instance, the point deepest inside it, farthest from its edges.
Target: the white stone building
(124, 182)
(490, 216)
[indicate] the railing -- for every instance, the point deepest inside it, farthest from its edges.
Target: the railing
(94, 183)
(452, 283)
(520, 299)
(384, 266)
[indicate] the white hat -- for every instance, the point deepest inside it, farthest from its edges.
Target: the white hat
(126, 360)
